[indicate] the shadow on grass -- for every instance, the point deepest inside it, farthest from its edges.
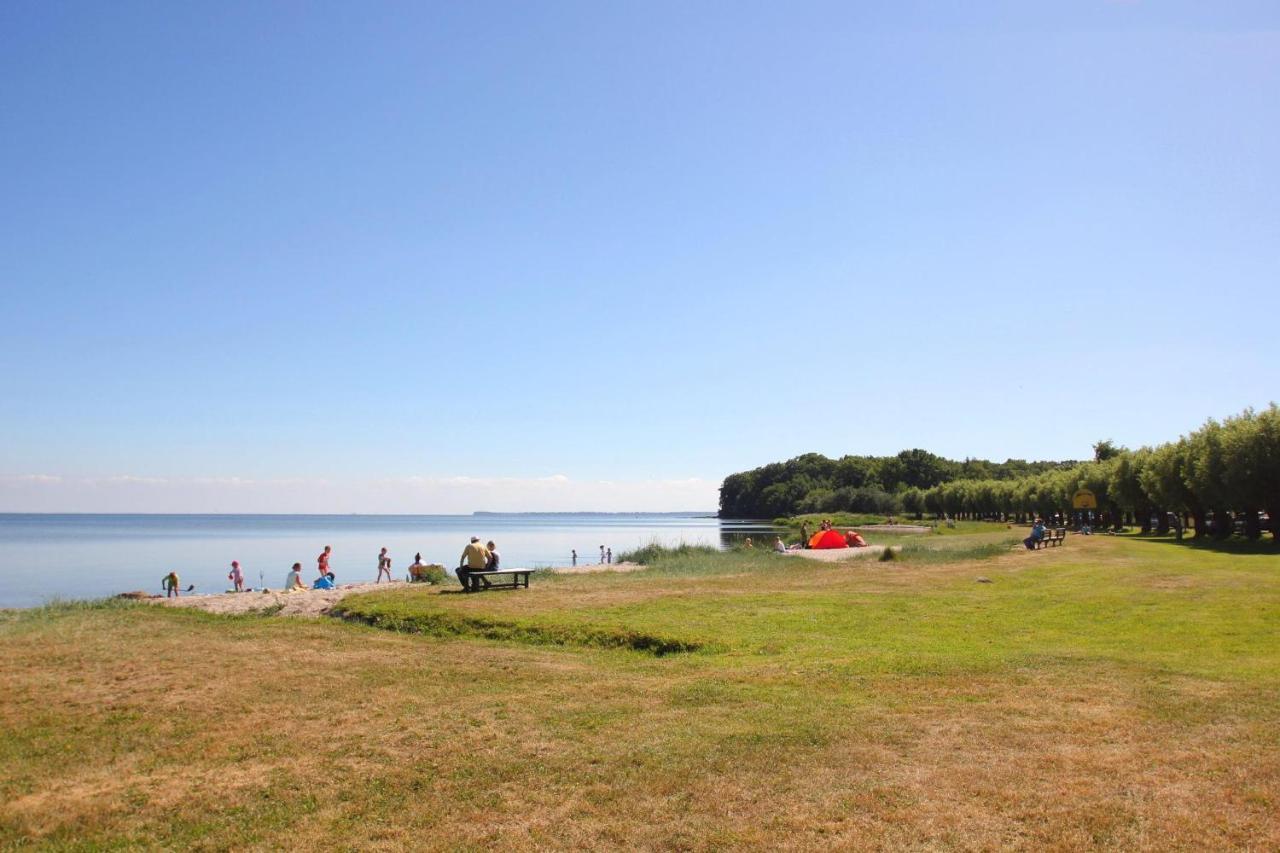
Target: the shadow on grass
(390, 616)
(1231, 545)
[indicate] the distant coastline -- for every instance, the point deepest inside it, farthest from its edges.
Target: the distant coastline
(690, 514)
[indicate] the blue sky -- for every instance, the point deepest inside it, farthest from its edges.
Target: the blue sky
(442, 257)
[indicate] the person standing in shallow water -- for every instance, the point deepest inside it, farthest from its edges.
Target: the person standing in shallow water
(236, 576)
(574, 553)
(602, 555)
(384, 565)
(322, 562)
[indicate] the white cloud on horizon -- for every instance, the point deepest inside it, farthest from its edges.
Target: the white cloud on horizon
(414, 494)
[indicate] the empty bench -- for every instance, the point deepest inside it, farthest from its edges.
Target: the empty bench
(1053, 537)
(478, 581)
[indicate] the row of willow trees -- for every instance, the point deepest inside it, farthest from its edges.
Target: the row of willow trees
(1222, 477)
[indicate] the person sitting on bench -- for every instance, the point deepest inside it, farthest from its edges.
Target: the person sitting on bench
(475, 558)
(1037, 533)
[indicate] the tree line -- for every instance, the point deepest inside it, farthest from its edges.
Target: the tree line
(1221, 478)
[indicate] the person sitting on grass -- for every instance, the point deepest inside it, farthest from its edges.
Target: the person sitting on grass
(1037, 533)
(779, 545)
(855, 540)
(170, 585)
(293, 580)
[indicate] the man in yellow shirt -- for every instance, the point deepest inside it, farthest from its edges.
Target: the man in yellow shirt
(474, 558)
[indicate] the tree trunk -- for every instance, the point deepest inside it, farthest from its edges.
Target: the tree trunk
(1202, 524)
(1162, 522)
(1252, 525)
(1222, 526)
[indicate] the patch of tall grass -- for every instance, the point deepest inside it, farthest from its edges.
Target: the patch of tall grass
(657, 552)
(920, 552)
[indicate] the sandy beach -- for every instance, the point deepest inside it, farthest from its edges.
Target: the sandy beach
(310, 602)
(316, 602)
(838, 555)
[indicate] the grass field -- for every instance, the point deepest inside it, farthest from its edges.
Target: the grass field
(1114, 692)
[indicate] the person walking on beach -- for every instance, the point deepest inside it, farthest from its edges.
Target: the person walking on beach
(475, 557)
(322, 562)
(236, 576)
(495, 559)
(384, 565)
(574, 552)
(170, 584)
(804, 535)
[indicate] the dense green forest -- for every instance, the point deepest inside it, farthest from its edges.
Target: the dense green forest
(1221, 477)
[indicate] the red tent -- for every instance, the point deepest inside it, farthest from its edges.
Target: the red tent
(828, 539)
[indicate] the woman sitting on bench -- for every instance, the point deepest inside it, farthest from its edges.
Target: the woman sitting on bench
(1037, 533)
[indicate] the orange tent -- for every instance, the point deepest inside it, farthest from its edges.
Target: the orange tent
(828, 539)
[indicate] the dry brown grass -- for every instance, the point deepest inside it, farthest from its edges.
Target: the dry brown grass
(155, 727)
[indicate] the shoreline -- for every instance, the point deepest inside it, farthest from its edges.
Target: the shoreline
(313, 603)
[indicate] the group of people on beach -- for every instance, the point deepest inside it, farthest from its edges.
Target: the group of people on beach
(606, 556)
(293, 580)
(476, 557)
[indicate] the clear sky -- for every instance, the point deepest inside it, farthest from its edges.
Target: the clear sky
(422, 257)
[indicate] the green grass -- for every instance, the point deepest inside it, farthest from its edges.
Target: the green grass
(1117, 692)
(748, 604)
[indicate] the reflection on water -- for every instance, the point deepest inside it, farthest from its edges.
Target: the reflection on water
(89, 556)
(734, 533)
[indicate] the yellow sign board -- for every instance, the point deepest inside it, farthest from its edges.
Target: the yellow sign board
(1084, 499)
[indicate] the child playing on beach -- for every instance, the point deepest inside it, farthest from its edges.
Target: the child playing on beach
(384, 565)
(236, 576)
(322, 562)
(170, 584)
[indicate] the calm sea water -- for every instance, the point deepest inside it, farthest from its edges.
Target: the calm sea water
(90, 556)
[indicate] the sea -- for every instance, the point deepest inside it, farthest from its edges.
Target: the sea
(47, 557)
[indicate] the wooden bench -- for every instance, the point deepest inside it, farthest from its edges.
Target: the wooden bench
(1053, 537)
(479, 581)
